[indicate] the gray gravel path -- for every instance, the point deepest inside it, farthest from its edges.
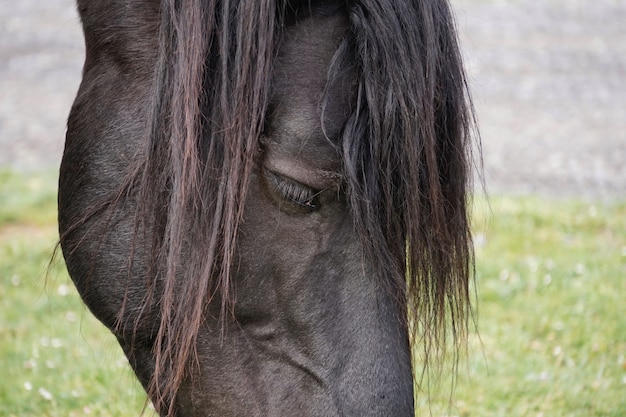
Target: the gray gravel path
(41, 54)
(549, 82)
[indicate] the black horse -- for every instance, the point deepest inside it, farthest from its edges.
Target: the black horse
(265, 200)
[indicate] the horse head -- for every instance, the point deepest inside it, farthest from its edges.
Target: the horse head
(266, 201)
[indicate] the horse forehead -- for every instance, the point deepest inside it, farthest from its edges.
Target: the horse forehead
(306, 50)
(300, 79)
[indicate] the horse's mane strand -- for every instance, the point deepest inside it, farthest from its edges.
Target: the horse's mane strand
(407, 159)
(210, 97)
(405, 151)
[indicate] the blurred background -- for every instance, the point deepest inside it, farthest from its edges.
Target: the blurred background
(548, 79)
(549, 85)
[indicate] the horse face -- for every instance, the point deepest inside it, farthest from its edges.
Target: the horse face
(314, 333)
(314, 329)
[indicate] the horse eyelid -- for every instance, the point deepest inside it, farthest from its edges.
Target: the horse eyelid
(293, 191)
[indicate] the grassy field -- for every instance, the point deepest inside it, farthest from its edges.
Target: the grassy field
(57, 360)
(551, 312)
(551, 315)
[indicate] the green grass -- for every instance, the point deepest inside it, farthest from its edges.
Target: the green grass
(551, 312)
(551, 316)
(56, 359)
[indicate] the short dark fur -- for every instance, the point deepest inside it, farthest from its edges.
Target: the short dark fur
(167, 201)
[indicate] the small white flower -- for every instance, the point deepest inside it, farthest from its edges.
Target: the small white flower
(480, 240)
(547, 279)
(71, 316)
(45, 394)
(63, 290)
(579, 269)
(16, 280)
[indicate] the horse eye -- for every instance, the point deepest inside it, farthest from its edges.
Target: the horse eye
(292, 191)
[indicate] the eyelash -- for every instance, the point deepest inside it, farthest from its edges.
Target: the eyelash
(293, 191)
